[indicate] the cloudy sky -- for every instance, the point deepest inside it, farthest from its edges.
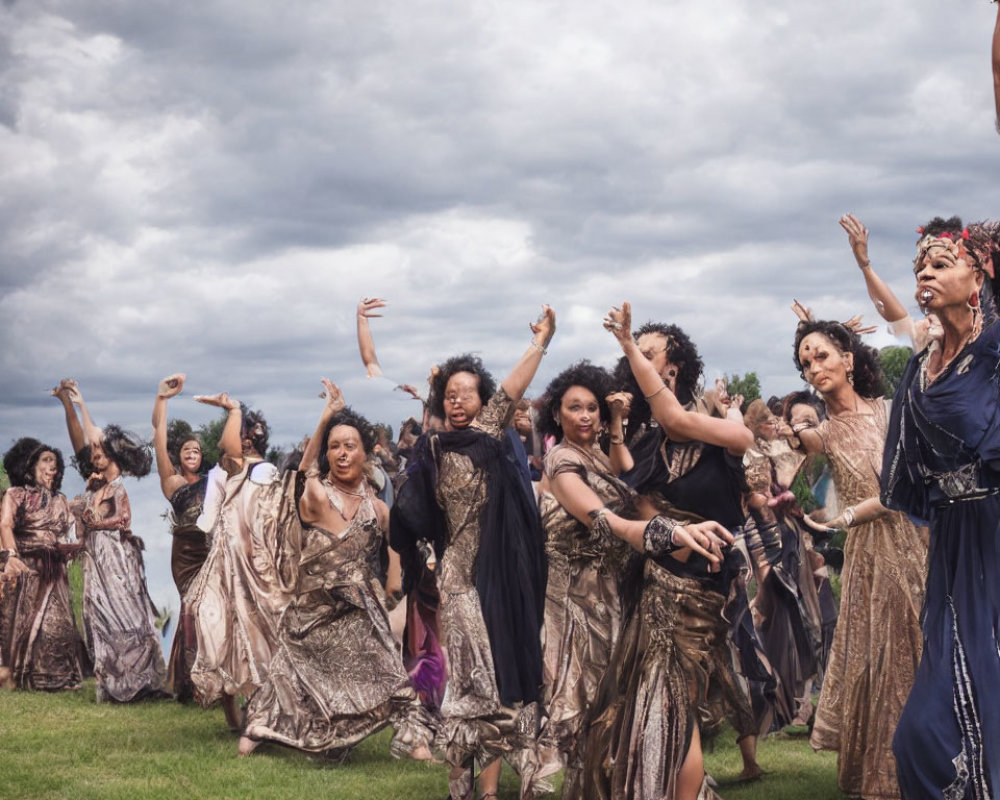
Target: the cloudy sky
(210, 186)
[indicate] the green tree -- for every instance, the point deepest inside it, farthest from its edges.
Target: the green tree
(748, 386)
(4, 481)
(893, 360)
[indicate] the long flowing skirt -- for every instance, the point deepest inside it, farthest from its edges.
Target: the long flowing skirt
(39, 642)
(119, 619)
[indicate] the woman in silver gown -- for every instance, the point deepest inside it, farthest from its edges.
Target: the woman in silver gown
(118, 613)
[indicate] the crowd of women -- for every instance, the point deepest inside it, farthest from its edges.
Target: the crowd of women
(592, 583)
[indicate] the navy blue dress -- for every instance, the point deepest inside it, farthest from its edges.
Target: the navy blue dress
(942, 465)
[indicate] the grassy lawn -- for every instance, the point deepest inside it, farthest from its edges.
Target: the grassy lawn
(66, 746)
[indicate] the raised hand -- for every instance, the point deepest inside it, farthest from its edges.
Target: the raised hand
(367, 305)
(410, 389)
(619, 322)
(545, 325)
(334, 398)
(802, 312)
(854, 324)
(221, 400)
(857, 235)
(620, 404)
(171, 386)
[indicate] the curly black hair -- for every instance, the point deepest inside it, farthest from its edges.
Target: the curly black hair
(595, 379)
(127, 450)
(20, 460)
(869, 381)
(683, 354)
(466, 362)
(803, 397)
(255, 428)
(352, 418)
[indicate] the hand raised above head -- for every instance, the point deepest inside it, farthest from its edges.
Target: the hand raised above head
(545, 326)
(857, 235)
(367, 305)
(221, 400)
(802, 312)
(172, 385)
(619, 322)
(334, 397)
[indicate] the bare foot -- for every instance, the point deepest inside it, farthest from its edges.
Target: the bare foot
(423, 753)
(248, 745)
(751, 772)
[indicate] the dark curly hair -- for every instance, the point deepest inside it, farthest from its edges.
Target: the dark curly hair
(255, 428)
(127, 450)
(683, 354)
(463, 363)
(350, 417)
(20, 460)
(868, 378)
(804, 397)
(583, 373)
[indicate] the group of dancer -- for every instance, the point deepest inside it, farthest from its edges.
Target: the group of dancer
(602, 616)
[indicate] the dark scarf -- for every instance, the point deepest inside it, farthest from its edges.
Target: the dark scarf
(511, 567)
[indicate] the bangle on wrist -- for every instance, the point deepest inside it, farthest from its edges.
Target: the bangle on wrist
(540, 348)
(865, 265)
(849, 516)
(617, 439)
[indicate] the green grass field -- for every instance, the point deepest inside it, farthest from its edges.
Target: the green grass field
(66, 746)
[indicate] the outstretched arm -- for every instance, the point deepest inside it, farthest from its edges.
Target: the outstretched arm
(366, 344)
(886, 303)
(65, 392)
(229, 443)
(679, 423)
(169, 387)
(516, 384)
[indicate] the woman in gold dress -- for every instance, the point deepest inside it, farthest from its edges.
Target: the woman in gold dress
(582, 609)
(40, 647)
(877, 641)
(337, 675)
(465, 496)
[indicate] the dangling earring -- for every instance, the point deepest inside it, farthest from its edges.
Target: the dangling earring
(850, 376)
(557, 420)
(973, 302)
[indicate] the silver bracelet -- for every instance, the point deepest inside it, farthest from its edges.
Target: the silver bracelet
(538, 347)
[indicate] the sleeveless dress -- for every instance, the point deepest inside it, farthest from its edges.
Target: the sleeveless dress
(337, 675)
(187, 554)
(876, 645)
(39, 642)
(582, 612)
(118, 613)
(942, 465)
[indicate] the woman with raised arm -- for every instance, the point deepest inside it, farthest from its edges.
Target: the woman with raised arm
(183, 482)
(337, 675)
(467, 498)
(118, 613)
(672, 668)
(942, 465)
(586, 561)
(919, 332)
(40, 647)
(876, 643)
(237, 596)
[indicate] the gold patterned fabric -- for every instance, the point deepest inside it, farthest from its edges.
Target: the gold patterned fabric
(658, 686)
(237, 597)
(582, 613)
(474, 724)
(877, 642)
(118, 613)
(337, 675)
(39, 642)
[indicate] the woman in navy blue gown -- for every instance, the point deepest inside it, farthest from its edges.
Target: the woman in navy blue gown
(942, 465)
